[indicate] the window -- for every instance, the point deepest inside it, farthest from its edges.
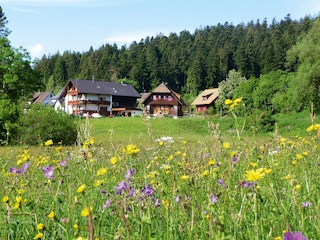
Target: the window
(170, 98)
(154, 97)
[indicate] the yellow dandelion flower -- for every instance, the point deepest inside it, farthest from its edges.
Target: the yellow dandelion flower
(233, 105)
(205, 173)
(82, 188)
(48, 142)
(20, 191)
(267, 171)
(131, 149)
(289, 176)
(184, 177)
(294, 162)
(299, 156)
(305, 153)
(161, 143)
(85, 211)
(101, 171)
(277, 238)
(40, 226)
(5, 199)
(226, 145)
(51, 215)
(211, 162)
(113, 160)
(233, 154)
(228, 102)
(75, 226)
(297, 187)
(18, 199)
(98, 183)
(38, 236)
(254, 175)
(237, 100)
(177, 153)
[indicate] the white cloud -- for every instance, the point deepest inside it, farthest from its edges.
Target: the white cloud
(36, 50)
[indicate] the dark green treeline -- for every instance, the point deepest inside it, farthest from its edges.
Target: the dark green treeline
(188, 62)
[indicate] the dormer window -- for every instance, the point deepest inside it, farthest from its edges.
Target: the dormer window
(204, 97)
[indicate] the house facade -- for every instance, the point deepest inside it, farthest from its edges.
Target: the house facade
(162, 101)
(105, 98)
(206, 99)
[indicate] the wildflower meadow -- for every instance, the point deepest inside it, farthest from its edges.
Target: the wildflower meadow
(163, 188)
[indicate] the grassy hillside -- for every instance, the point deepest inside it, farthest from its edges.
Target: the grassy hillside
(125, 130)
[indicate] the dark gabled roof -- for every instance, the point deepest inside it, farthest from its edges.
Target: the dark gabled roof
(105, 88)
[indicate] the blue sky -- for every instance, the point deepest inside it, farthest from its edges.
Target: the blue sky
(49, 26)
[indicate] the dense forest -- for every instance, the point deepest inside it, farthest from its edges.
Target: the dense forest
(188, 62)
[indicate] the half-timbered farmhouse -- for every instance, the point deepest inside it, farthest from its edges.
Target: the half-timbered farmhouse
(162, 101)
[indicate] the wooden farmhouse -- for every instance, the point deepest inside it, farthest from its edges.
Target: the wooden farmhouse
(206, 99)
(105, 98)
(162, 101)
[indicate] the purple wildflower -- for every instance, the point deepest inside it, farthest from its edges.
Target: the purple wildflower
(132, 191)
(221, 182)
(48, 171)
(178, 198)
(62, 163)
(148, 190)
(318, 164)
(294, 236)
(102, 191)
(306, 204)
(235, 159)
(187, 198)
(213, 198)
(130, 173)
(18, 171)
(121, 187)
(157, 202)
(107, 204)
(245, 184)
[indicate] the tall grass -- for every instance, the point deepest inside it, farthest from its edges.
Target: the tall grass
(129, 183)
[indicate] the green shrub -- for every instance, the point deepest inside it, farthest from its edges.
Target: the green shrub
(262, 121)
(40, 123)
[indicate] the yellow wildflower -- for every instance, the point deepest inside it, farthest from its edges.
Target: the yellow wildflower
(75, 226)
(226, 145)
(131, 149)
(277, 238)
(101, 171)
(38, 236)
(85, 211)
(228, 102)
(205, 173)
(82, 188)
(184, 178)
(113, 160)
(51, 215)
(299, 156)
(297, 187)
(40, 226)
(5, 199)
(254, 175)
(48, 142)
(161, 143)
(211, 162)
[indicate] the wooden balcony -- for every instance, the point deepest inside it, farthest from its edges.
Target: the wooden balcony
(85, 102)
